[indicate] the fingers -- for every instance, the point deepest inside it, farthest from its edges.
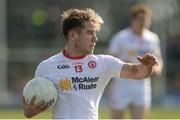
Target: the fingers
(155, 58)
(24, 101)
(139, 58)
(40, 103)
(148, 59)
(32, 100)
(151, 55)
(30, 109)
(41, 106)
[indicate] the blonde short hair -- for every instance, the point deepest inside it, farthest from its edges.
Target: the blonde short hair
(75, 18)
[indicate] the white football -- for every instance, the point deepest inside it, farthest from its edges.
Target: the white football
(43, 89)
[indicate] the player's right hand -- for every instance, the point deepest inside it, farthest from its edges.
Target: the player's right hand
(148, 59)
(31, 110)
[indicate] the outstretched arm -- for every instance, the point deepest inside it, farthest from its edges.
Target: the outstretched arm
(141, 70)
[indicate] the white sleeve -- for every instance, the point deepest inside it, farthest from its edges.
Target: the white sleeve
(113, 66)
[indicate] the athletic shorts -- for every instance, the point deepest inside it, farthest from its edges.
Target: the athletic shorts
(122, 93)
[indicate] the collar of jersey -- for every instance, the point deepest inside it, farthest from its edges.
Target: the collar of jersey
(70, 57)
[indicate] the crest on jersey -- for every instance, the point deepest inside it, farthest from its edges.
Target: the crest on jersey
(92, 64)
(65, 84)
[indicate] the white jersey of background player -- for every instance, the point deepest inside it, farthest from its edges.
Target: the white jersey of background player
(127, 45)
(79, 76)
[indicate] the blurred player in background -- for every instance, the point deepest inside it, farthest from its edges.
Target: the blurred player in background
(126, 45)
(80, 76)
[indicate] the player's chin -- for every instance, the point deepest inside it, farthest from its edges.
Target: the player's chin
(90, 51)
(87, 52)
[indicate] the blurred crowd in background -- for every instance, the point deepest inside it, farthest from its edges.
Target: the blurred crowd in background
(34, 33)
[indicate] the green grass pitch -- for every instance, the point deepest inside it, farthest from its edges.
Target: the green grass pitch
(156, 113)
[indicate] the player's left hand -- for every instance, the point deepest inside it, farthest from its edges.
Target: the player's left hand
(148, 59)
(31, 110)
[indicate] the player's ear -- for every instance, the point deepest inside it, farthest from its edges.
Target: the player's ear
(73, 35)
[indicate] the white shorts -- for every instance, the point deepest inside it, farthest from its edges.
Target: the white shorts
(125, 92)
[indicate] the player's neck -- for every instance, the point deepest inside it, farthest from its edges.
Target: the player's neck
(73, 54)
(137, 31)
